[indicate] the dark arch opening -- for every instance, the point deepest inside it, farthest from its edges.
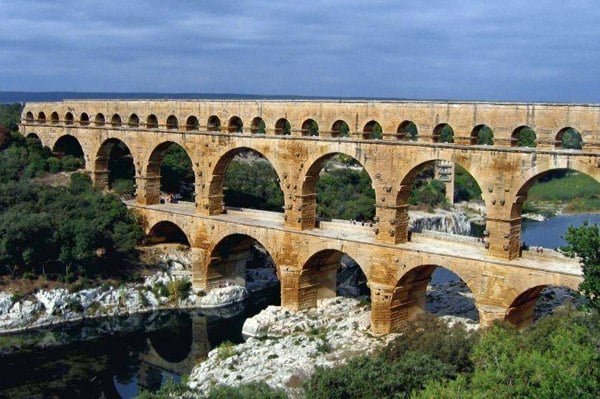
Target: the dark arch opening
(568, 138)
(99, 120)
(310, 128)
(33, 136)
(54, 118)
(241, 260)
(343, 189)
(151, 122)
(134, 121)
(41, 117)
(258, 126)
(235, 125)
(70, 151)
(407, 130)
(482, 135)
(523, 136)
(173, 343)
(250, 181)
(172, 163)
(433, 187)
(372, 131)
(115, 157)
(166, 232)
(214, 124)
(29, 117)
(192, 123)
(439, 291)
(539, 301)
(115, 121)
(340, 129)
(334, 273)
(283, 127)
(69, 118)
(84, 119)
(443, 133)
(172, 123)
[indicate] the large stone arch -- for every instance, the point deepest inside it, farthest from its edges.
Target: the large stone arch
(310, 178)
(226, 258)
(217, 177)
(166, 231)
(149, 185)
(101, 172)
(68, 139)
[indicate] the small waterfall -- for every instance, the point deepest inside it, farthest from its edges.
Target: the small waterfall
(452, 222)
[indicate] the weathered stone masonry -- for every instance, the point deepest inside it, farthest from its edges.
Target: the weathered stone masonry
(504, 284)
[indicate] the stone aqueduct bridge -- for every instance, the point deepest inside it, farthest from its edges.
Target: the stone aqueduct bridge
(505, 282)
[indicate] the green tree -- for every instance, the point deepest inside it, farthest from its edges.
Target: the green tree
(485, 136)
(584, 241)
(571, 139)
(526, 137)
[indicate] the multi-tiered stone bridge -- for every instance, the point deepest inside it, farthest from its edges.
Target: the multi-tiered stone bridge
(505, 280)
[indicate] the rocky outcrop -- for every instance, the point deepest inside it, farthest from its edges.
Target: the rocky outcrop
(453, 222)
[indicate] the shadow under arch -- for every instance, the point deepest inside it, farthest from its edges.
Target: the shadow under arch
(345, 164)
(115, 159)
(340, 129)
(329, 273)
(536, 302)
(166, 232)
(68, 145)
(232, 256)
(255, 166)
(451, 295)
(173, 343)
(176, 177)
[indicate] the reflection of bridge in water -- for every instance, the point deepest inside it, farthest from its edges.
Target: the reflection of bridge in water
(505, 282)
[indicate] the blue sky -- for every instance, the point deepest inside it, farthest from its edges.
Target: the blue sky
(484, 50)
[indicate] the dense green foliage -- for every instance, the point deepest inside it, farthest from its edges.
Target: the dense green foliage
(465, 186)
(176, 173)
(584, 241)
(485, 136)
(344, 193)
(10, 116)
(526, 137)
(258, 390)
(578, 191)
(253, 185)
(571, 139)
(445, 134)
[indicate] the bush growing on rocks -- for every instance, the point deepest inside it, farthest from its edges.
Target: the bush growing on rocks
(247, 391)
(179, 289)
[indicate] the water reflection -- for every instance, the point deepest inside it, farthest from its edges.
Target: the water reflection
(117, 357)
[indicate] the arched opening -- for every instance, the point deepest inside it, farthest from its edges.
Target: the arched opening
(331, 273)
(84, 119)
(372, 131)
(283, 127)
(192, 123)
(41, 117)
(250, 181)
(54, 118)
(241, 260)
(70, 151)
(443, 197)
(172, 123)
(310, 128)
(340, 129)
(482, 135)
(343, 190)
(173, 343)
(69, 118)
(151, 122)
(443, 133)
(29, 117)
(258, 126)
(114, 157)
(537, 302)
(569, 138)
(552, 201)
(439, 291)
(115, 121)
(172, 163)
(235, 125)
(134, 121)
(34, 137)
(214, 124)
(523, 136)
(166, 232)
(407, 130)
(99, 120)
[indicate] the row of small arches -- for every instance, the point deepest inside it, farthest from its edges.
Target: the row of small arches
(522, 136)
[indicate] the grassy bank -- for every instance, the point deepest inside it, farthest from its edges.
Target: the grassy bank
(573, 193)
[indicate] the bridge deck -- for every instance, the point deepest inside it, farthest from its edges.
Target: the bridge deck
(445, 244)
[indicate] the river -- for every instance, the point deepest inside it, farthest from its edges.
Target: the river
(158, 346)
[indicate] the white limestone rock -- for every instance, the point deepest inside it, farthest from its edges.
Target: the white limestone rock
(224, 296)
(6, 302)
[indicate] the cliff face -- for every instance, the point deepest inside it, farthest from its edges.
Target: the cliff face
(453, 222)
